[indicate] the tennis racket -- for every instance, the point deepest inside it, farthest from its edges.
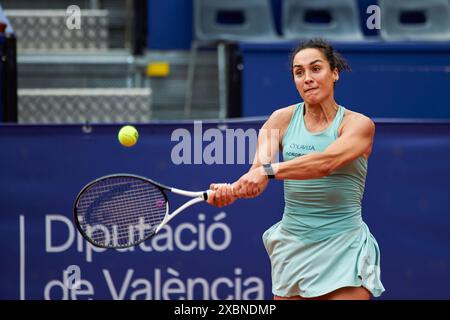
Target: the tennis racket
(123, 210)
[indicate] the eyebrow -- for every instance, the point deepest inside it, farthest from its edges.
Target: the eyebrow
(313, 62)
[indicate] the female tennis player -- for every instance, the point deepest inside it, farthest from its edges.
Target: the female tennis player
(321, 248)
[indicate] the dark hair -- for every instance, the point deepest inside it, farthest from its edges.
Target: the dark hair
(333, 57)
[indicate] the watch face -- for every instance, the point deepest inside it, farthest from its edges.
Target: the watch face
(268, 169)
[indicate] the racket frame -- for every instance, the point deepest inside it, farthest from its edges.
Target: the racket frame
(198, 196)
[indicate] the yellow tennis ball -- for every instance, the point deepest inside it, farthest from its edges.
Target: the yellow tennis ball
(128, 136)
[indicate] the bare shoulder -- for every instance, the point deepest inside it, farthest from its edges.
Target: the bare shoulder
(280, 118)
(356, 120)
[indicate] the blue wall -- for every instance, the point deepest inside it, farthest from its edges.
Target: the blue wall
(396, 79)
(42, 168)
(2, 91)
(169, 24)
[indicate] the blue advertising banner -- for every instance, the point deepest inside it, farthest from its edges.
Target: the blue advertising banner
(2, 68)
(205, 252)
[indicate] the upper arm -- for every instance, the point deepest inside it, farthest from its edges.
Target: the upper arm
(355, 140)
(270, 135)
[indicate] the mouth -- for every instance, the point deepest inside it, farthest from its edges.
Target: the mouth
(310, 89)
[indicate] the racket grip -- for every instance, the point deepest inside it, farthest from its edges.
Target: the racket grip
(206, 194)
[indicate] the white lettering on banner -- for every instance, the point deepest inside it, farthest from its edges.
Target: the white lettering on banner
(208, 232)
(124, 287)
(167, 286)
(51, 292)
(56, 283)
(176, 288)
(215, 288)
(215, 235)
(49, 219)
(22, 257)
(188, 246)
(226, 232)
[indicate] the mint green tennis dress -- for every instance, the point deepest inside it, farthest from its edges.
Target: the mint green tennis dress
(322, 244)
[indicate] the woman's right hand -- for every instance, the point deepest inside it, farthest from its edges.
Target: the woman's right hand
(222, 195)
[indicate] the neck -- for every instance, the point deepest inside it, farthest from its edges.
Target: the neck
(321, 113)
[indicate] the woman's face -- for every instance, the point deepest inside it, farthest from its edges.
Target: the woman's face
(313, 76)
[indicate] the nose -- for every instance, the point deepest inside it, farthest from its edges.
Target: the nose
(308, 78)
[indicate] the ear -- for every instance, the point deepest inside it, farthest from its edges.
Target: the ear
(336, 74)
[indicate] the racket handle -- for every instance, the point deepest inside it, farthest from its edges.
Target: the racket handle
(206, 194)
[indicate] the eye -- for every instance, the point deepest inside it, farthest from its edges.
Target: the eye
(299, 73)
(316, 68)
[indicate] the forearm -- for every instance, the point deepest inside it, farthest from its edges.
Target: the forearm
(311, 166)
(255, 165)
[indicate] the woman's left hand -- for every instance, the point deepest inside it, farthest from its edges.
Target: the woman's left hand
(221, 195)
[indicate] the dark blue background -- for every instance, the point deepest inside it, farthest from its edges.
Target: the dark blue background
(2, 93)
(388, 79)
(42, 168)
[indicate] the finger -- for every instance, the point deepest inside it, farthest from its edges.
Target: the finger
(217, 196)
(229, 191)
(233, 192)
(229, 194)
(223, 194)
(242, 192)
(251, 192)
(237, 189)
(214, 200)
(214, 186)
(211, 198)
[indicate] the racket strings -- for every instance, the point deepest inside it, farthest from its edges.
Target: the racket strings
(121, 211)
(128, 210)
(131, 214)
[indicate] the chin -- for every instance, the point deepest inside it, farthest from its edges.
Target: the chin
(313, 100)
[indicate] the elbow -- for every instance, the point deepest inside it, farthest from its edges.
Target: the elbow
(329, 163)
(325, 169)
